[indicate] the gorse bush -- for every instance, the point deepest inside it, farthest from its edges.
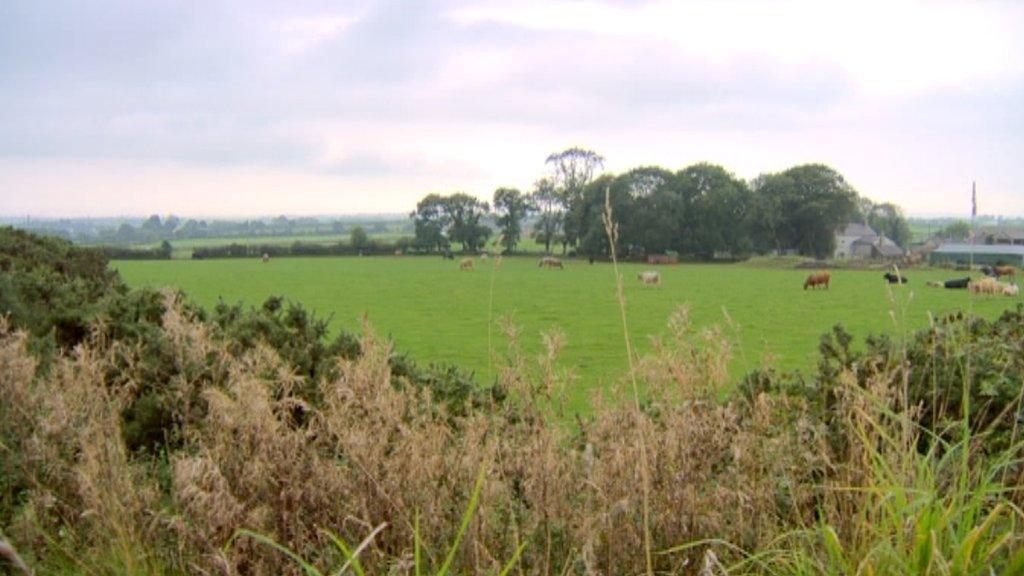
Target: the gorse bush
(51, 287)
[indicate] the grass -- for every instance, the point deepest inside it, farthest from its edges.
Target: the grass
(437, 313)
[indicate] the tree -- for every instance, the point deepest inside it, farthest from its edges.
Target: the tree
(888, 219)
(573, 169)
(465, 214)
(959, 230)
(716, 211)
(431, 219)
(769, 227)
(653, 225)
(809, 203)
(359, 238)
(545, 199)
(511, 206)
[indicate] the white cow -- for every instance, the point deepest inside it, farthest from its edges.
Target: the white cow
(650, 277)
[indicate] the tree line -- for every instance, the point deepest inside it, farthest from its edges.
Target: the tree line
(702, 211)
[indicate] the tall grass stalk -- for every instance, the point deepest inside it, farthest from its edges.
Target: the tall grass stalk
(612, 230)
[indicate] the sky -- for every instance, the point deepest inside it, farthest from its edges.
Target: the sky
(221, 108)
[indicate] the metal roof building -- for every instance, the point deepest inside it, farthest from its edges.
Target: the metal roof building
(994, 254)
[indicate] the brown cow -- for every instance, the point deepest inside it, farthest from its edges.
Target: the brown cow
(817, 279)
(466, 264)
(1000, 271)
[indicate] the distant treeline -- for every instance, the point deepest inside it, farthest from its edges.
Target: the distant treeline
(161, 252)
(156, 228)
(370, 248)
(702, 211)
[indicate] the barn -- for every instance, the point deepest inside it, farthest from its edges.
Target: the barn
(992, 254)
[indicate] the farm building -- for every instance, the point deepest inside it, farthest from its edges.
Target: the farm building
(860, 241)
(993, 254)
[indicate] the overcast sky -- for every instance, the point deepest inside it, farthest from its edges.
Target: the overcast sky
(253, 108)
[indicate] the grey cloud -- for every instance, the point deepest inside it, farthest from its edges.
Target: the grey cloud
(207, 83)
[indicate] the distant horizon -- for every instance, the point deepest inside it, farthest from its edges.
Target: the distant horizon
(383, 215)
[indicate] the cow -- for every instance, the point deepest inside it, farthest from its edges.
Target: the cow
(650, 277)
(817, 279)
(550, 262)
(266, 257)
(466, 264)
(894, 278)
(1010, 290)
(483, 257)
(1000, 271)
(987, 285)
(957, 283)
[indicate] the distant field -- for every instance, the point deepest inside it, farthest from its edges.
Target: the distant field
(439, 314)
(182, 249)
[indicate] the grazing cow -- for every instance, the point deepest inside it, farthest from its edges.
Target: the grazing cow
(1010, 289)
(957, 283)
(483, 257)
(266, 257)
(1000, 271)
(550, 262)
(933, 284)
(466, 264)
(398, 252)
(987, 270)
(987, 285)
(650, 277)
(817, 279)
(894, 278)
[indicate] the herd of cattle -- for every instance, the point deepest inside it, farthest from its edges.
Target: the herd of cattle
(647, 277)
(989, 284)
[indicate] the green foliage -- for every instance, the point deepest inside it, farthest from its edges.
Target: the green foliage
(959, 230)
(441, 220)
(888, 219)
(802, 207)
(51, 287)
(358, 238)
(511, 207)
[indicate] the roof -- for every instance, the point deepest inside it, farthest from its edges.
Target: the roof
(889, 248)
(857, 230)
(981, 249)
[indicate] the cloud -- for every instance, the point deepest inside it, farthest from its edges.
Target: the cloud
(413, 97)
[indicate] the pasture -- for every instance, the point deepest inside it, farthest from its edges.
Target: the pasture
(437, 313)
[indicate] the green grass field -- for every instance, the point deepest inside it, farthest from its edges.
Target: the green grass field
(439, 314)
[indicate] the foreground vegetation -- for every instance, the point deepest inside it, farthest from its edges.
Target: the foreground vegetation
(244, 441)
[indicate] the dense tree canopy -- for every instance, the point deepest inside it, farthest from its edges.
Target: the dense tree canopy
(441, 220)
(888, 219)
(511, 206)
(702, 211)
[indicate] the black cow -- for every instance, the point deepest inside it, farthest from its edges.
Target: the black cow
(957, 283)
(894, 278)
